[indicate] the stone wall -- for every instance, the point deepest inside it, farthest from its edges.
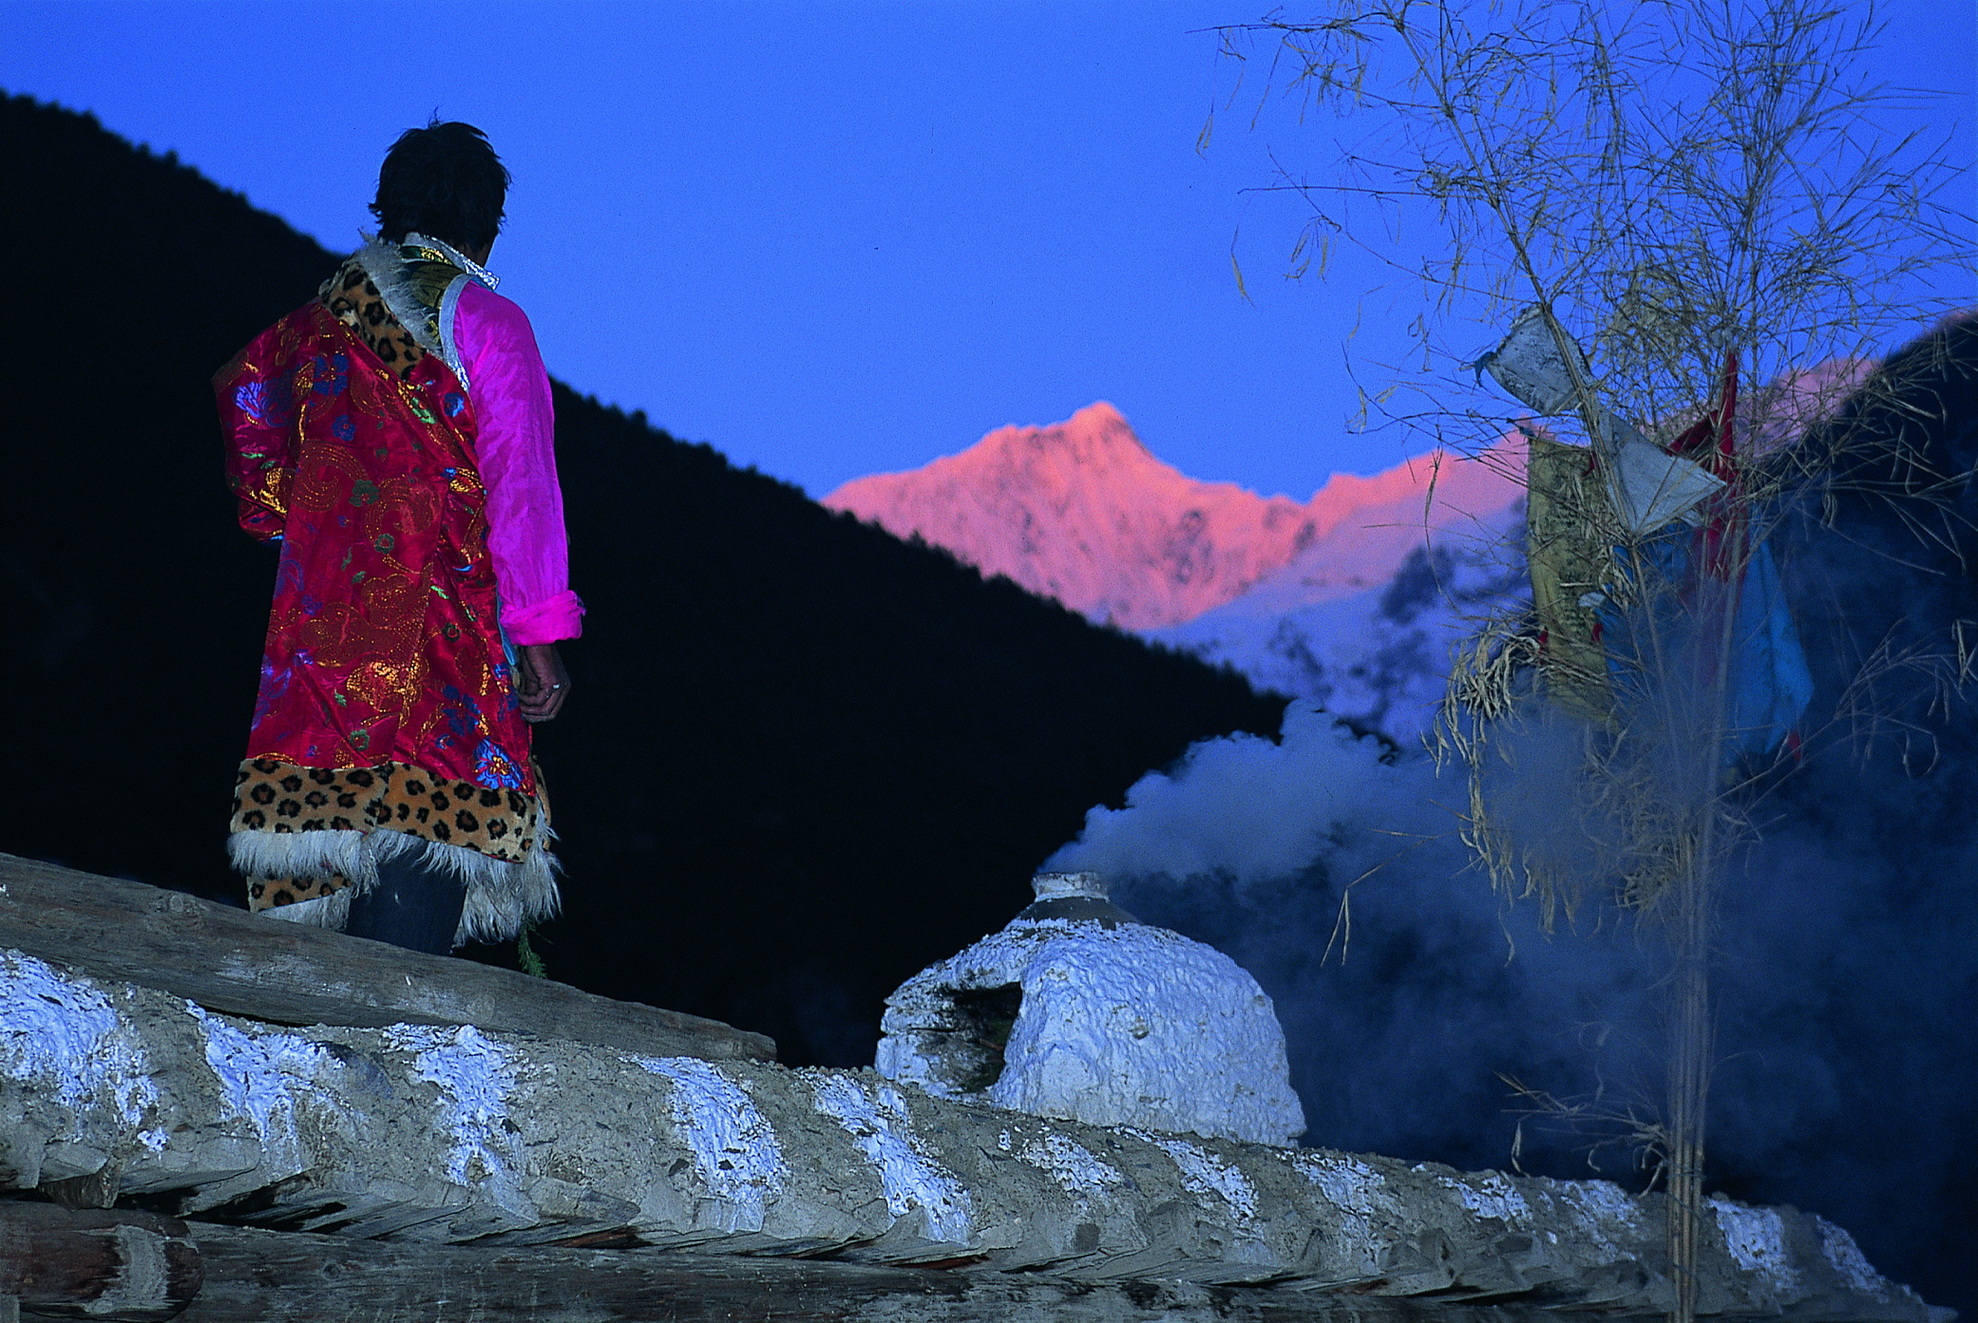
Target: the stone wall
(448, 1134)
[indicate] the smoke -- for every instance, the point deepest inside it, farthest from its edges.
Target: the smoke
(1845, 977)
(1330, 865)
(1846, 966)
(1248, 807)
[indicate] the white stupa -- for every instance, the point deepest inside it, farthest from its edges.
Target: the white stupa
(1077, 1010)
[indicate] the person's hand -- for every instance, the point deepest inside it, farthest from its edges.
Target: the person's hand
(541, 682)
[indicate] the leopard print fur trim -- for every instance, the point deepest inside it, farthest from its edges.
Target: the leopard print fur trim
(354, 299)
(400, 300)
(303, 836)
(275, 796)
(319, 872)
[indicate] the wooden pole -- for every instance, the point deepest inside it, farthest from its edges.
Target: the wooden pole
(1689, 1087)
(1721, 556)
(130, 1267)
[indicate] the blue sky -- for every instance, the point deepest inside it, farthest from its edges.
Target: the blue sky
(830, 238)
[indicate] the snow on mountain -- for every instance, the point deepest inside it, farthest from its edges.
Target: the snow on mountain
(1351, 598)
(1376, 646)
(1379, 656)
(1081, 511)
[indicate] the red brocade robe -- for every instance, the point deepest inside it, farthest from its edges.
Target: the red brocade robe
(383, 644)
(386, 698)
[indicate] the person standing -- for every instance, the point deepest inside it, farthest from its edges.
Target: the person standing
(395, 437)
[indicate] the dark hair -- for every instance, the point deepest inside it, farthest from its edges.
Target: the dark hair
(443, 181)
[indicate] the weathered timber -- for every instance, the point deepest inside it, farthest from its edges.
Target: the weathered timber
(255, 1276)
(126, 1266)
(138, 1267)
(291, 973)
(497, 1142)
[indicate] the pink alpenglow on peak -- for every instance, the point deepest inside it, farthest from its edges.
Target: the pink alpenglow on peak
(1083, 512)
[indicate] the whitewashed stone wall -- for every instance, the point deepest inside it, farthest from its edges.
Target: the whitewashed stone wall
(1120, 1025)
(454, 1134)
(1112, 1022)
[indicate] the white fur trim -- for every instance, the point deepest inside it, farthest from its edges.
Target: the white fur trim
(386, 269)
(450, 348)
(385, 266)
(501, 896)
(414, 239)
(314, 854)
(331, 911)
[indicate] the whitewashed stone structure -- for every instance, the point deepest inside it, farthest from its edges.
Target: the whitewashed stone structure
(437, 1135)
(1078, 1011)
(569, 1162)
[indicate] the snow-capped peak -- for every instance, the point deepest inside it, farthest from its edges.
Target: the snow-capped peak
(1082, 511)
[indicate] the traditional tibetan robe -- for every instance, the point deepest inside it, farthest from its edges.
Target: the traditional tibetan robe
(394, 437)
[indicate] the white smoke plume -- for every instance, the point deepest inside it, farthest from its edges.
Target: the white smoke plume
(1837, 986)
(1249, 809)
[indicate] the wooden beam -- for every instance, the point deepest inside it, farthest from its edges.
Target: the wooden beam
(133, 1267)
(290, 973)
(256, 1276)
(124, 1266)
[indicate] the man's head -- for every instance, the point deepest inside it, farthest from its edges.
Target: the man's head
(443, 181)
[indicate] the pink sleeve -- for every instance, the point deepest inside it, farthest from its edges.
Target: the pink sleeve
(516, 447)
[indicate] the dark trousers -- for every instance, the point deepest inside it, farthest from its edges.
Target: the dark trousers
(414, 905)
